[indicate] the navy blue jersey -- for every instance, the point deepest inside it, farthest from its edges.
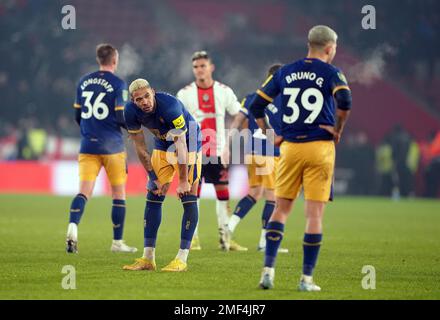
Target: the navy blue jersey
(306, 87)
(258, 143)
(170, 118)
(100, 95)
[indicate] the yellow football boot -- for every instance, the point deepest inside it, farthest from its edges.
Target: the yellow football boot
(195, 243)
(141, 264)
(234, 246)
(176, 265)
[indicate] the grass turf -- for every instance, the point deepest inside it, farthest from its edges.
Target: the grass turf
(400, 239)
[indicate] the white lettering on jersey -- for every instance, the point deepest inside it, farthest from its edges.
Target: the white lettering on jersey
(99, 81)
(304, 75)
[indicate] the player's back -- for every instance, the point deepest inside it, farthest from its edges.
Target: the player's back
(259, 144)
(101, 94)
(307, 87)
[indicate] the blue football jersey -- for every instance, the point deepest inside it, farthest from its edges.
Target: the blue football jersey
(170, 118)
(306, 87)
(258, 143)
(100, 95)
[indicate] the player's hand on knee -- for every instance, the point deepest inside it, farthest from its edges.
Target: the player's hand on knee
(183, 188)
(160, 187)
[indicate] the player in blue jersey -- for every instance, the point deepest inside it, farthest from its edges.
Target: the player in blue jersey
(99, 107)
(311, 123)
(261, 160)
(177, 149)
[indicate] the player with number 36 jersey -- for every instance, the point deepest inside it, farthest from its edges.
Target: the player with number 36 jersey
(99, 111)
(101, 97)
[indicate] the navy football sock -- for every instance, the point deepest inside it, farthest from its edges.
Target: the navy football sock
(267, 212)
(311, 245)
(152, 218)
(77, 208)
(118, 218)
(274, 235)
(189, 220)
(244, 206)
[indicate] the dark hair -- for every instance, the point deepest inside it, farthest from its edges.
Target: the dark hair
(105, 53)
(274, 68)
(200, 55)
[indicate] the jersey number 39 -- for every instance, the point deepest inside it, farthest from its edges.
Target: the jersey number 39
(99, 109)
(315, 107)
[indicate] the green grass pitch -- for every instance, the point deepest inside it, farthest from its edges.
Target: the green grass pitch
(400, 239)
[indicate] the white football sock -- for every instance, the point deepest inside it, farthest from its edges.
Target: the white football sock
(262, 243)
(149, 253)
(233, 222)
(222, 213)
(72, 231)
(183, 254)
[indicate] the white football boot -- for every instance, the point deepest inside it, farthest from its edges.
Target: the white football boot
(306, 284)
(120, 246)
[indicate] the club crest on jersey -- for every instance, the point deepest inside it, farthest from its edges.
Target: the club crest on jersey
(342, 77)
(125, 95)
(205, 97)
(179, 122)
(161, 120)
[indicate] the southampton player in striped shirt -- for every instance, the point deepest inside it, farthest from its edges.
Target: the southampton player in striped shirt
(261, 160)
(311, 124)
(208, 101)
(99, 107)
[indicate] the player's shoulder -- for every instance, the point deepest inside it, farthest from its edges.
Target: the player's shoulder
(186, 91)
(189, 86)
(222, 86)
(167, 101)
(130, 107)
(247, 99)
(86, 76)
(165, 96)
(334, 69)
(115, 80)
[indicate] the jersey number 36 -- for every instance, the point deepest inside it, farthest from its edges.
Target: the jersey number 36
(315, 107)
(99, 109)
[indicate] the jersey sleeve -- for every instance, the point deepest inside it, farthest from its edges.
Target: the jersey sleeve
(191, 107)
(233, 106)
(340, 90)
(121, 97)
(338, 82)
(133, 124)
(271, 87)
(265, 95)
(175, 118)
(77, 103)
(244, 107)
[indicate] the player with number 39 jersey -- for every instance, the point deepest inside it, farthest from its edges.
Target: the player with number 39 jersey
(307, 88)
(311, 124)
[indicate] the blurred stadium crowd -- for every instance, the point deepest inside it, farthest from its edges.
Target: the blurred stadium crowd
(40, 64)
